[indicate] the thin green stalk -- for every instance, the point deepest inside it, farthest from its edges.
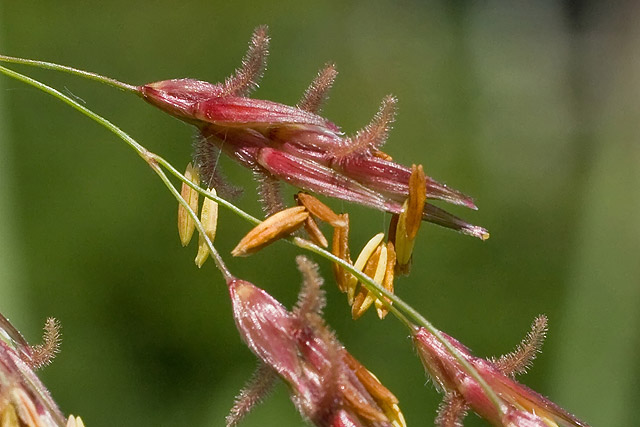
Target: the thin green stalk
(233, 208)
(156, 161)
(86, 74)
(214, 253)
(152, 159)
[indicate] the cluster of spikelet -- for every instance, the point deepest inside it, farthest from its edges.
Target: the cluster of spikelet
(294, 144)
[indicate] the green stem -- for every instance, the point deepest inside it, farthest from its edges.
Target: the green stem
(156, 161)
(214, 253)
(233, 208)
(152, 159)
(57, 67)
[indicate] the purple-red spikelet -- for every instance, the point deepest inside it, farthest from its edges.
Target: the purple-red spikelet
(24, 400)
(521, 406)
(328, 386)
(296, 144)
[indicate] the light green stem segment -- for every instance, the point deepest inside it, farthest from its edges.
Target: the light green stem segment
(57, 67)
(152, 159)
(156, 161)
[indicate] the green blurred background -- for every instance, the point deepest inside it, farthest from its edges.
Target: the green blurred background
(531, 107)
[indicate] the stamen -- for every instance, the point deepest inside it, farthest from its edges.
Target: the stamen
(75, 421)
(319, 209)
(186, 224)
(209, 220)
(314, 232)
(375, 268)
(388, 280)
(271, 229)
(340, 248)
(410, 219)
(360, 263)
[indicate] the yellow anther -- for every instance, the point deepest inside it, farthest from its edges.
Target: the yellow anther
(25, 406)
(340, 248)
(271, 229)
(360, 263)
(388, 280)
(75, 421)
(186, 224)
(314, 232)
(209, 220)
(376, 268)
(383, 397)
(9, 417)
(320, 210)
(410, 218)
(403, 244)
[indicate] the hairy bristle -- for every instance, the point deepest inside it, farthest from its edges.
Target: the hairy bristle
(451, 411)
(269, 191)
(520, 360)
(318, 91)
(253, 393)
(44, 353)
(246, 78)
(375, 134)
(311, 298)
(206, 157)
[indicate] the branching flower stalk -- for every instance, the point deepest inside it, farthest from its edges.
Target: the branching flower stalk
(154, 161)
(422, 330)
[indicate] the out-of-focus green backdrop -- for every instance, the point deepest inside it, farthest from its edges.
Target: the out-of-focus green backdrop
(531, 107)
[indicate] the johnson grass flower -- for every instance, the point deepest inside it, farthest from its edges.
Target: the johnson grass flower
(24, 400)
(518, 404)
(296, 144)
(328, 386)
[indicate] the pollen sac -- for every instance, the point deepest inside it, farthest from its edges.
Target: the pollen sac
(387, 283)
(409, 220)
(384, 398)
(321, 211)
(186, 224)
(209, 220)
(314, 232)
(340, 248)
(74, 422)
(375, 268)
(271, 229)
(362, 260)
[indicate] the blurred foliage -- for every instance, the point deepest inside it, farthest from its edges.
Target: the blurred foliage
(531, 107)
